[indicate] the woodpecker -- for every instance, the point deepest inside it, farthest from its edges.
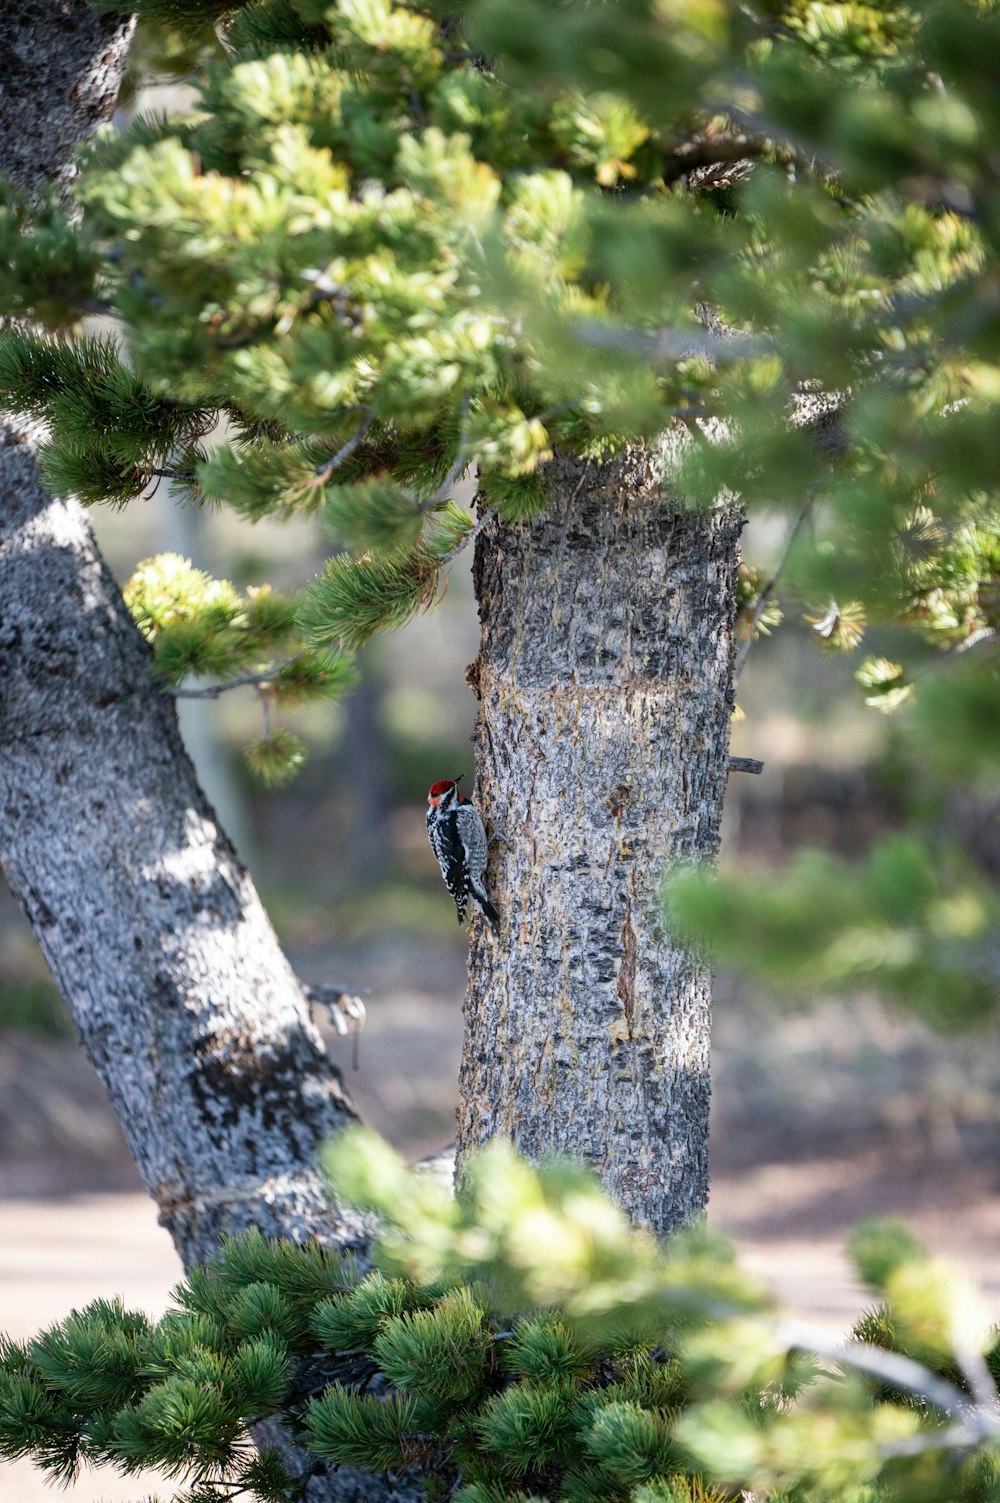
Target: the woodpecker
(459, 842)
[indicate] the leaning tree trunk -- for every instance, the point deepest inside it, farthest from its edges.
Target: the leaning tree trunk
(150, 924)
(605, 689)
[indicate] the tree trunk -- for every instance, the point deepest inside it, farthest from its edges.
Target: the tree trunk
(62, 71)
(605, 689)
(150, 924)
(152, 928)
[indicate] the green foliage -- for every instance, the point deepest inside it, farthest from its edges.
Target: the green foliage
(354, 597)
(195, 624)
(668, 1379)
(46, 271)
(958, 722)
(34, 1007)
(440, 1353)
(887, 685)
(755, 613)
(933, 1310)
(361, 1430)
(378, 255)
(902, 922)
(355, 1319)
(199, 626)
(110, 433)
(276, 758)
(173, 12)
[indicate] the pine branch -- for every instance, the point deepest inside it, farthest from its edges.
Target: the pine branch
(346, 450)
(980, 1421)
(466, 539)
(213, 691)
(976, 1373)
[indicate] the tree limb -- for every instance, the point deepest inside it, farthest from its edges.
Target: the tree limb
(213, 691)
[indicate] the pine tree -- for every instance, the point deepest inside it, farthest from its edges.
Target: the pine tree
(643, 267)
(591, 1363)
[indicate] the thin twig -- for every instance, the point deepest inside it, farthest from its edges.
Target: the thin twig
(465, 540)
(768, 589)
(580, 483)
(345, 451)
(212, 691)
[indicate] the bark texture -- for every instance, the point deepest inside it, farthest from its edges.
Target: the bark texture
(605, 688)
(149, 922)
(62, 68)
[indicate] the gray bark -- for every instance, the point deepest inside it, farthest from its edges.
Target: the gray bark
(62, 68)
(605, 689)
(152, 928)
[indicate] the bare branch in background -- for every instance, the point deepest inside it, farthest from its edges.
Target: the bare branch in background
(768, 590)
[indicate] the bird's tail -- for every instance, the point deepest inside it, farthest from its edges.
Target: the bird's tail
(486, 908)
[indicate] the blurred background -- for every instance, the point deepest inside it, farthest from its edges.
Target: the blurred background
(822, 1113)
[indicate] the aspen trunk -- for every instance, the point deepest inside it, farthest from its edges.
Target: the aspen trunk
(605, 689)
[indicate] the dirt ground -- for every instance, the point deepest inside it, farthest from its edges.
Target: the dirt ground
(819, 1121)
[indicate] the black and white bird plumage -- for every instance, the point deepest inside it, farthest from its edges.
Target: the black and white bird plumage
(459, 842)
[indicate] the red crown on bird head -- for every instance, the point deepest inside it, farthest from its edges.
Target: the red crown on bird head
(439, 789)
